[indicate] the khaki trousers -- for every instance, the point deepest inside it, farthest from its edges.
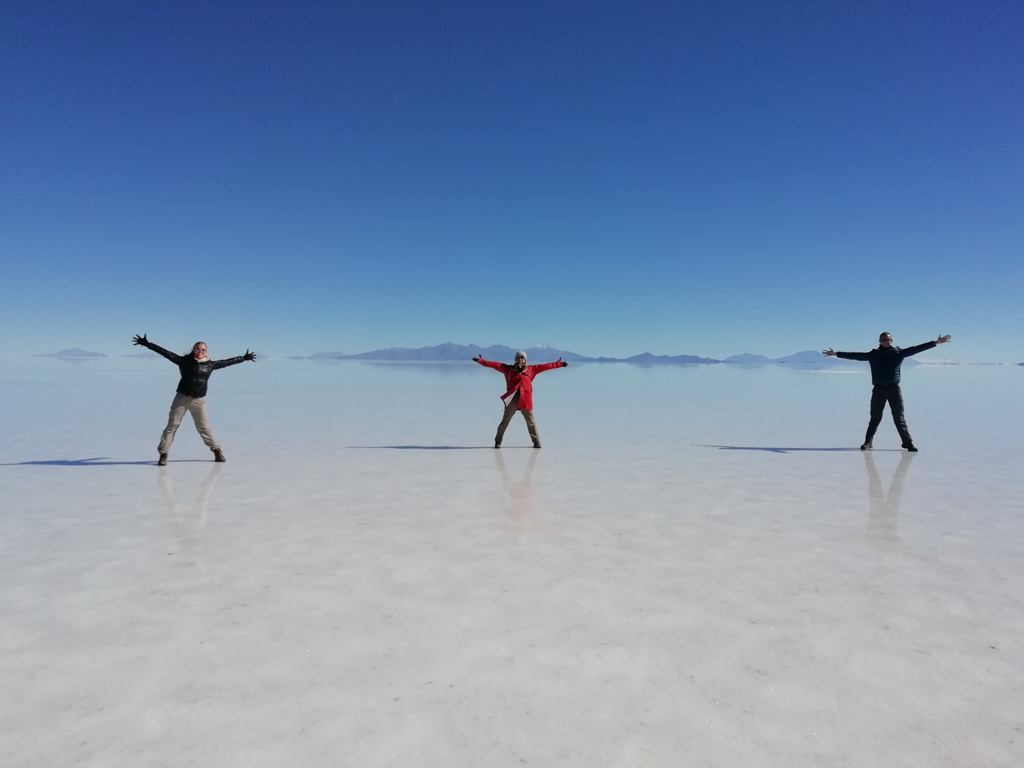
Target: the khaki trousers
(510, 411)
(197, 407)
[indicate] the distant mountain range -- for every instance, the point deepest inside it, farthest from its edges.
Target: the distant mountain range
(451, 352)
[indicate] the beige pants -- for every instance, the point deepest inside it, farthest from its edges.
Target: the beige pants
(510, 411)
(197, 407)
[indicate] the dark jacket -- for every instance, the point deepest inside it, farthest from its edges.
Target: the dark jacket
(885, 363)
(194, 373)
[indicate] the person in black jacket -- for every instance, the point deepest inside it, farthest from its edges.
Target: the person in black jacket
(885, 363)
(190, 396)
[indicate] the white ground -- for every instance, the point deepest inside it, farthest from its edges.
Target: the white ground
(696, 570)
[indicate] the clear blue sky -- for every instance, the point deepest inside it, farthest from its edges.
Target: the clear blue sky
(607, 177)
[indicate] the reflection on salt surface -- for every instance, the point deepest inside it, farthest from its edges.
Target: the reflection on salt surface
(884, 519)
(883, 533)
(189, 521)
(517, 500)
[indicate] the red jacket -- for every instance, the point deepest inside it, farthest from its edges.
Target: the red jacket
(521, 380)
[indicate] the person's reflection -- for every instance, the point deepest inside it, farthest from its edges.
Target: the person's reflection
(884, 517)
(518, 497)
(190, 522)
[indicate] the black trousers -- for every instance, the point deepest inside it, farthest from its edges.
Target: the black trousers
(891, 394)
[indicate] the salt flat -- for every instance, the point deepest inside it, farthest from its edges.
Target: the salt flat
(698, 569)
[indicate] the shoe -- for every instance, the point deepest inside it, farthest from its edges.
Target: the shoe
(162, 461)
(910, 447)
(218, 455)
(497, 444)
(866, 447)
(536, 445)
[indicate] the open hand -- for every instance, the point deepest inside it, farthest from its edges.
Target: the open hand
(943, 339)
(249, 355)
(140, 341)
(828, 352)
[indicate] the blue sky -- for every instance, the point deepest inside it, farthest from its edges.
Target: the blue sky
(605, 177)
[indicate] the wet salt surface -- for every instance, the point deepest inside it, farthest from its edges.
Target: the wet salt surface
(699, 568)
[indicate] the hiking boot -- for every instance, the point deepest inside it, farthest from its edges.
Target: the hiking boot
(866, 447)
(162, 461)
(218, 455)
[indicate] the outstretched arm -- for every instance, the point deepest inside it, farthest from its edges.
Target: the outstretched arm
(548, 366)
(863, 356)
(908, 351)
(218, 364)
(488, 364)
(142, 341)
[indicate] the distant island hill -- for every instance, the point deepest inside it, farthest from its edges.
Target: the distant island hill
(75, 352)
(451, 353)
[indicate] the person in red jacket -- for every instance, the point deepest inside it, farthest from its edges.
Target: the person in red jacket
(519, 395)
